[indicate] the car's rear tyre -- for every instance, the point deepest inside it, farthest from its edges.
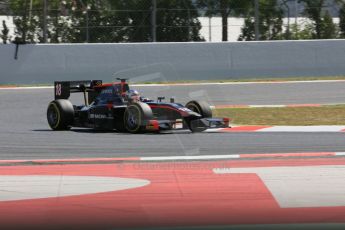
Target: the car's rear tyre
(200, 107)
(136, 116)
(60, 114)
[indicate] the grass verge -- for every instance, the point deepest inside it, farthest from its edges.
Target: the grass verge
(276, 79)
(325, 115)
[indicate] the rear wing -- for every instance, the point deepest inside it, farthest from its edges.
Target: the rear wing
(63, 89)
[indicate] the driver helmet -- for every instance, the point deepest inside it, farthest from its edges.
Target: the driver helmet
(133, 95)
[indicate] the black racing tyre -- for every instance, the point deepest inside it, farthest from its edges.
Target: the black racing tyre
(200, 107)
(136, 117)
(60, 114)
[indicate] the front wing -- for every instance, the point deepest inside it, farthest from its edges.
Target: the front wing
(196, 125)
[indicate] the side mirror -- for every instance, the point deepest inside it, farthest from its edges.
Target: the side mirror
(159, 99)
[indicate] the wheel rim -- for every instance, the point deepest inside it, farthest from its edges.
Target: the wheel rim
(53, 116)
(132, 118)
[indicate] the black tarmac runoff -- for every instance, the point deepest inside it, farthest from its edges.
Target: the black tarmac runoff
(25, 134)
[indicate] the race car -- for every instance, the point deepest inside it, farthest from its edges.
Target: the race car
(108, 107)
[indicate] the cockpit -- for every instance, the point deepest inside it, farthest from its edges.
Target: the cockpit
(110, 95)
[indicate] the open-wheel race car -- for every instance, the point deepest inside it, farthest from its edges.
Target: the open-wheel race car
(116, 107)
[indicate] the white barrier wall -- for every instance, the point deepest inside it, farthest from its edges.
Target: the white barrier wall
(171, 61)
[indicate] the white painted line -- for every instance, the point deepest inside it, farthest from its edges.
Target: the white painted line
(80, 160)
(273, 106)
(222, 170)
(167, 158)
(29, 87)
(314, 128)
(213, 130)
(267, 106)
(239, 83)
(14, 188)
(203, 157)
(297, 129)
(301, 186)
(193, 84)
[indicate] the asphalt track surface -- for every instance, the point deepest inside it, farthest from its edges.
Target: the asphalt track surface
(24, 132)
(254, 94)
(190, 193)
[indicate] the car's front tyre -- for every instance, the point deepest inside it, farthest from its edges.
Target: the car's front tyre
(200, 107)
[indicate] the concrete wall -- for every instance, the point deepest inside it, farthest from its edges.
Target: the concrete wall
(171, 61)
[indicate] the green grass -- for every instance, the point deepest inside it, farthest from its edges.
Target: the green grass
(325, 115)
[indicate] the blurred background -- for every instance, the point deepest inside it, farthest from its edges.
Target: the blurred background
(114, 21)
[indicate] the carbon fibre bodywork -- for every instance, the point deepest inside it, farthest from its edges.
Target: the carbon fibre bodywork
(106, 106)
